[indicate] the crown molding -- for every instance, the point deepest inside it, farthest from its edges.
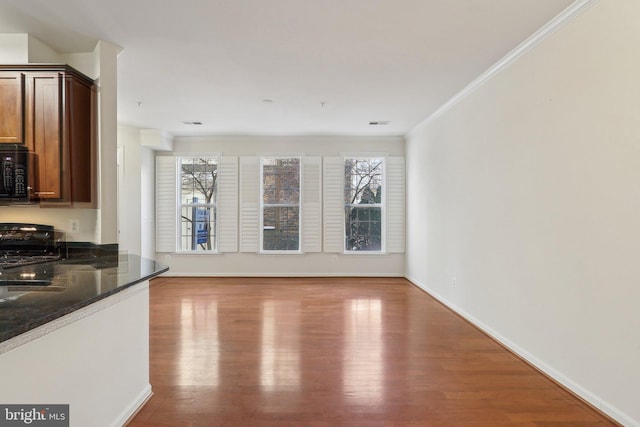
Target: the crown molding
(559, 21)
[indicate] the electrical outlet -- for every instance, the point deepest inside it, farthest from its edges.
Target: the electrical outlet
(453, 282)
(74, 225)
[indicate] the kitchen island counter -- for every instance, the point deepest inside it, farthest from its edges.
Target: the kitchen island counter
(68, 287)
(81, 339)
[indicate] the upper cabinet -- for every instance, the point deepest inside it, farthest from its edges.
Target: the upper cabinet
(12, 85)
(51, 109)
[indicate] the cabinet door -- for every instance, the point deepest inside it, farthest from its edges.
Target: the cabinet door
(11, 107)
(44, 133)
(78, 138)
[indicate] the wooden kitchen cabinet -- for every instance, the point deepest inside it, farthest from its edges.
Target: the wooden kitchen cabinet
(12, 107)
(43, 134)
(59, 127)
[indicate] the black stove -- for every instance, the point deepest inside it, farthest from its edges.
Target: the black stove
(26, 244)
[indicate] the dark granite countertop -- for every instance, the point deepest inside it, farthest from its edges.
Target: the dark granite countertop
(71, 285)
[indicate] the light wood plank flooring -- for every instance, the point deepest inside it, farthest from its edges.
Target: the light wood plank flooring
(334, 352)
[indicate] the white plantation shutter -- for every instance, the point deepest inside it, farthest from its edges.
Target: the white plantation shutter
(249, 204)
(166, 203)
(333, 204)
(394, 204)
(311, 212)
(227, 204)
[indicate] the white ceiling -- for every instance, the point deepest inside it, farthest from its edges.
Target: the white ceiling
(328, 66)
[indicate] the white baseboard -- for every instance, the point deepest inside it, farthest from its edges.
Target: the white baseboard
(134, 407)
(173, 273)
(548, 370)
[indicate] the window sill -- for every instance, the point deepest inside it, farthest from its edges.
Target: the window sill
(198, 253)
(281, 253)
(366, 253)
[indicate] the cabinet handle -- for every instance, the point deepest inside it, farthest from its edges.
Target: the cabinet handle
(45, 192)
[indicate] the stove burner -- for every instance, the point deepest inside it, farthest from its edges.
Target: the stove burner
(20, 260)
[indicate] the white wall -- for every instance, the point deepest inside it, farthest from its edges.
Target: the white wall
(14, 48)
(25, 49)
(136, 186)
(129, 189)
(58, 217)
(107, 64)
(309, 145)
(527, 193)
(41, 53)
(311, 264)
(147, 183)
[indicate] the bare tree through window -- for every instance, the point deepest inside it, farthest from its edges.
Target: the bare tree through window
(198, 179)
(363, 204)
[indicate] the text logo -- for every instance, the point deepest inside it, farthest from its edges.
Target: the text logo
(34, 415)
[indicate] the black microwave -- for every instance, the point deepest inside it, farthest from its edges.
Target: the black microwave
(15, 161)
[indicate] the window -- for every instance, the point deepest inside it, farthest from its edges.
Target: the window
(363, 186)
(197, 216)
(281, 204)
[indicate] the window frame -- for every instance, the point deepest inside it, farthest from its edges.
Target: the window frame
(213, 205)
(263, 205)
(381, 205)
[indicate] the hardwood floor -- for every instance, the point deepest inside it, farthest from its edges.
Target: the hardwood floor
(334, 352)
